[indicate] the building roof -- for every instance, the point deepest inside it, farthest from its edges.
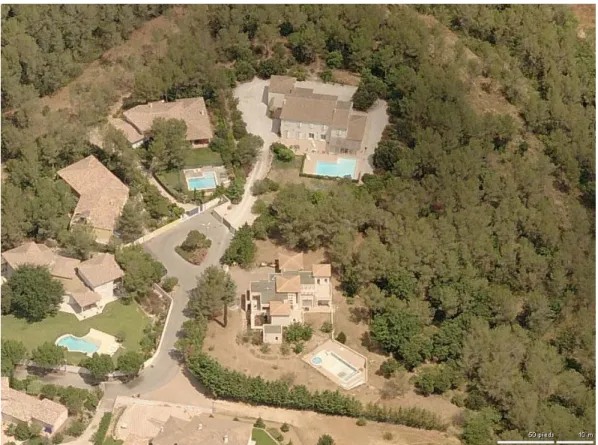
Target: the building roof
(340, 119)
(100, 269)
(288, 284)
(290, 262)
(357, 124)
(273, 329)
(25, 408)
(85, 297)
(129, 130)
(321, 270)
(65, 267)
(307, 110)
(267, 291)
(29, 253)
(281, 84)
(203, 430)
(101, 194)
(192, 111)
(281, 308)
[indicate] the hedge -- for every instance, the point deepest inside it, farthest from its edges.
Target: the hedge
(227, 384)
(100, 434)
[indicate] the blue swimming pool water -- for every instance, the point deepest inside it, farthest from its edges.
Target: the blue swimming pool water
(316, 360)
(76, 344)
(207, 182)
(344, 167)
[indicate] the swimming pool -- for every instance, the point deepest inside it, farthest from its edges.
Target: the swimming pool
(342, 168)
(76, 344)
(334, 365)
(207, 182)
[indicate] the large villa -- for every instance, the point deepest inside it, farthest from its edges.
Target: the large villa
(283, 298)
(88, 285)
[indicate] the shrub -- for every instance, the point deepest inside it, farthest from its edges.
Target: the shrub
(259, 423)
(259, 207)
(100, 434)
(35, 387)
(242, 249)
(341, 338)
(326, 440)
(49, 391)
(196, 240)
(121, 336)
(458, 400)
(58, 438)
(169, 283)
(361, 422)
(76, 428)
(389, 367)
(282, 152)
(387, 435)
(22, 431)
(326, 75)
(436, 380)
(298, 331)
(263, 186)
(298, 348)
(285, 427)
(265, 348)
(276, 434)
(326, 327)
(285, 349)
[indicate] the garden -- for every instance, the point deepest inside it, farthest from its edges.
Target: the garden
(195, 247)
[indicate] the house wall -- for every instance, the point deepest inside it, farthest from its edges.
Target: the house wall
(105, 290)
(281, 320)
(273, 338)
(278, 99)
(300, 130)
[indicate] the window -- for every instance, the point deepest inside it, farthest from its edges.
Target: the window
(318, 281)
(312, 136)
(323, 137)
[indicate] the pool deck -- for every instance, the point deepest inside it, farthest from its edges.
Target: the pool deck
(353, 358)
(311, 161)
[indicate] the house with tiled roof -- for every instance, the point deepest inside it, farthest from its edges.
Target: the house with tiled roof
(88, 285)
(322, 119)
(286, 295)
(102, 196)
(192, 111)
(19, 407)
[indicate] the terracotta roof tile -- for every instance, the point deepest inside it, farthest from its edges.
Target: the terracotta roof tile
(192, 111)
(288, 284)
(65, 267)
(100, 269)
(290, 262)
(29, 253)
(101, 194)
(321, 270)
(281, 84)
(280, 308)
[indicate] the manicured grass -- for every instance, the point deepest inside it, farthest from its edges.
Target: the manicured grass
(262, 438)
(173, 181)
(116, 317)
(198, 157)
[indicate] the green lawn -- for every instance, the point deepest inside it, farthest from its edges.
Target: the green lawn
(116, 317)
(198, 157)
(262, 438)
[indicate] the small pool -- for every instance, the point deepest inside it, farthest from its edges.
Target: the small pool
(317, 361)
(76, 344)
(342, 168)
(207, 182)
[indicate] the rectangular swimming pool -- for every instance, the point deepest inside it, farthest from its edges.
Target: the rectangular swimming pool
(206, 183)
(334, 365)
(344, 167)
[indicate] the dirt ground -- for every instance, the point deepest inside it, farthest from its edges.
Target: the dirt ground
(226, 346)
(307, 426)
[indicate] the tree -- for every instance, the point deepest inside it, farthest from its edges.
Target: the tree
(79, 241)
(13, 352)
(393, 330)
(130, 223)
(334, 59)
(244, 71)
(247, 151)
(168, 144)
(130, 363)
(341, 337)
(478, 428)
(242, 248)
(296, 332)
(99, 365)
(195, 240)
(389, 367)
(214, 292)
(282, 152)
(141, 270)
(74, 399)
(262, 186)
(34, 294)
(326, 440)
(49, 355)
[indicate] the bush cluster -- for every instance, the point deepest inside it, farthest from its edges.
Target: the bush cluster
(100, 434)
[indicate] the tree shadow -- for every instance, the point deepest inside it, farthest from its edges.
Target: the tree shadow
(195, 382)
(370, 344)
(359, 314)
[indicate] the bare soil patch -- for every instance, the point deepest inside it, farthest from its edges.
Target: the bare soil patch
(194, 257)
(586, 14)
(346, 77)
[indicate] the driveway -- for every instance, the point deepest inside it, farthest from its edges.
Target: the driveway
(377, 122)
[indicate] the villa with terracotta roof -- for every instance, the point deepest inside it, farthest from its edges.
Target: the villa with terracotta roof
(321, 119)
(286, 295)
(19, 407)
(192, 111)
(88, 285)
(102, 196)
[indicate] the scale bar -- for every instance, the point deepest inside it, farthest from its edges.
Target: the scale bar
(515, 442)
(575, 442)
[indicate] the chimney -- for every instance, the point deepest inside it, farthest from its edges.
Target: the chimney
(200, 427)
(225, 438)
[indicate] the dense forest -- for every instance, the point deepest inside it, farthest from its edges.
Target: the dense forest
(472, 247)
